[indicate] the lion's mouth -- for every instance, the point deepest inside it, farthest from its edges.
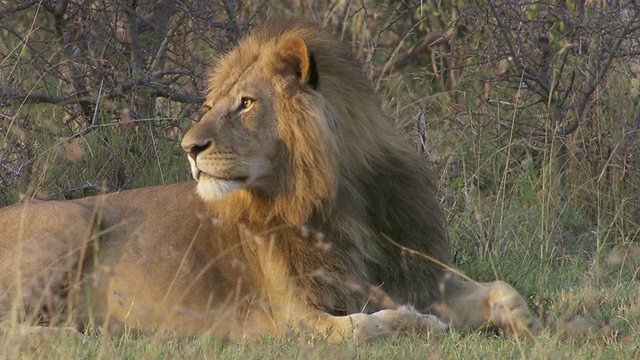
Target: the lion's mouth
(212, 187)
(203, 175)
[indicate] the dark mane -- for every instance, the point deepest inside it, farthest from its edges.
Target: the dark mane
(349, 176)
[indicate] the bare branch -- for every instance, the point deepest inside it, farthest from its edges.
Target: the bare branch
(424, 44)
(162, 49)
(598, 75)
(521, 69)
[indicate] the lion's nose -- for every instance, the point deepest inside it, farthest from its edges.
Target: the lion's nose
(195, 148)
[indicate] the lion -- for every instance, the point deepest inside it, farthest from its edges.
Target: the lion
(308, 213)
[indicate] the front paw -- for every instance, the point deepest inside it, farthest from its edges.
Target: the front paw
(509, 312)
(366, 328)
(407, 319)
(385, 324)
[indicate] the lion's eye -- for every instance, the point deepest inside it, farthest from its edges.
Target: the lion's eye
(246, 103)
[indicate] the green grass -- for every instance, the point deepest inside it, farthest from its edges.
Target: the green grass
(550, 345)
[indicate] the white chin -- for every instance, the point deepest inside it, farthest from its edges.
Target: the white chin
(211, 189)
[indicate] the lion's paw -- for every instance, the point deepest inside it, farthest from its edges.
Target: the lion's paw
(406, 319)
(369, 328)
(366, 328)
(509, 311)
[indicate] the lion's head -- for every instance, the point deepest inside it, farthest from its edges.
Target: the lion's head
(265, 133)
(290, 123)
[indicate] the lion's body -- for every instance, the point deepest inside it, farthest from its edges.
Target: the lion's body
(310, 210)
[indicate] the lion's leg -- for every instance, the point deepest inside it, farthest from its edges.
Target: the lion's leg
(468, 306)
(41, 246)
(287, 309)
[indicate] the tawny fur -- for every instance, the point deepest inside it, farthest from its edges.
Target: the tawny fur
(309, 238)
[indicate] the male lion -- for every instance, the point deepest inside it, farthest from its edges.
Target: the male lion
(308, 213)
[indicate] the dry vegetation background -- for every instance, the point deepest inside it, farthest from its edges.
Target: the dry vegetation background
(528, 111)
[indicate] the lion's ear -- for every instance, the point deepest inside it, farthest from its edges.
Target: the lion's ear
(293, 52)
